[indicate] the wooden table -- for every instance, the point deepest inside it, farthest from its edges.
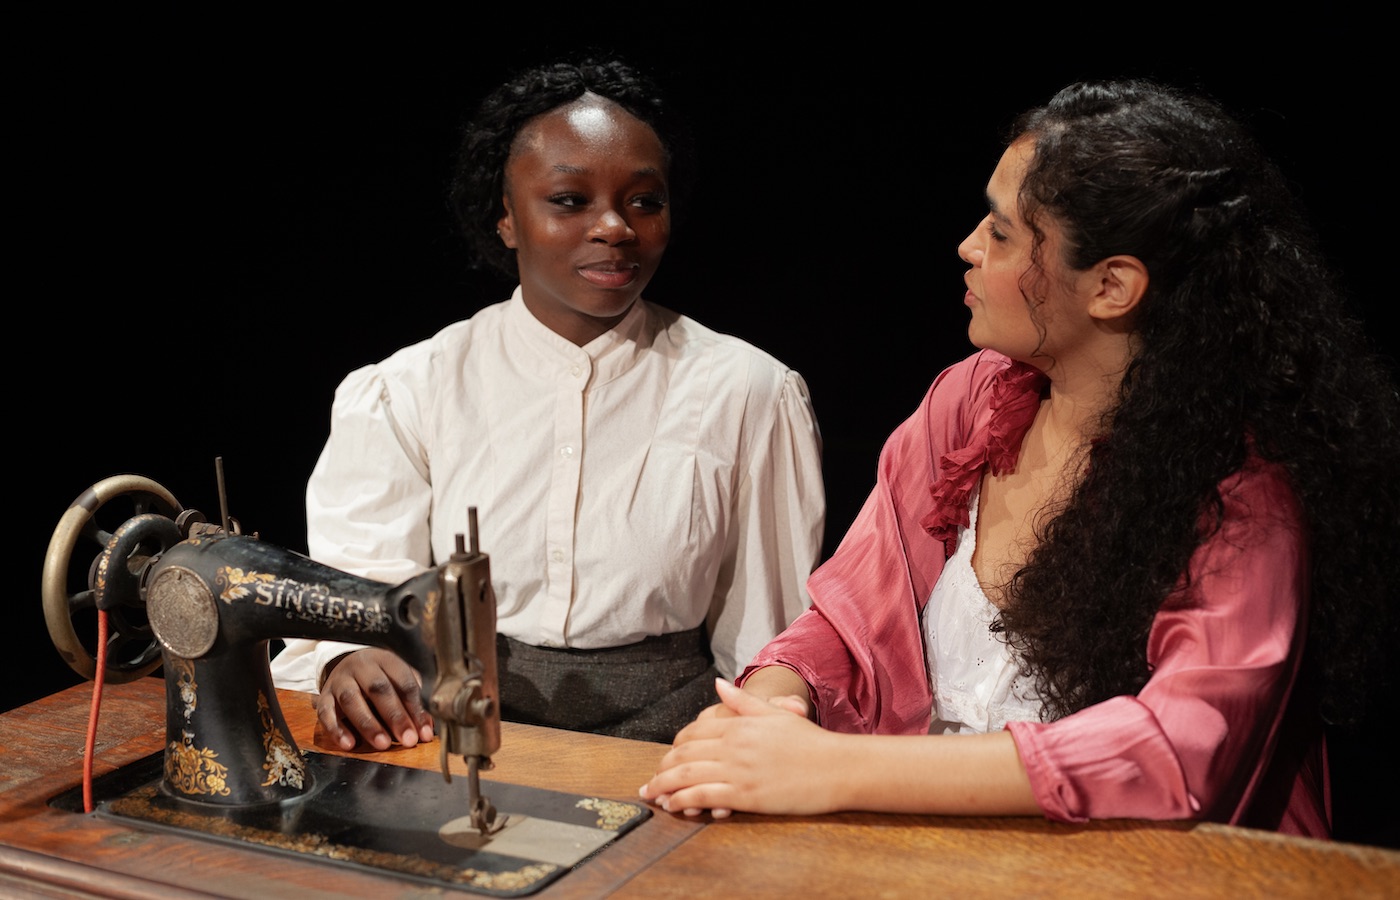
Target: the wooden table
(46, 852)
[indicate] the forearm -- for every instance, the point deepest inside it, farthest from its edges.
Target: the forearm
(754, 756)
(966, 774)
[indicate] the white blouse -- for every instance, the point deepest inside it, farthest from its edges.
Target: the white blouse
(663, 477)
(977, 686)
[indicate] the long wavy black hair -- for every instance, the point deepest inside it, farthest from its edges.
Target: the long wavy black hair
(479, 178)
(1244, 344)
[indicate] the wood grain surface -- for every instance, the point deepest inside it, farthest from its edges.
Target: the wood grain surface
(45, 852)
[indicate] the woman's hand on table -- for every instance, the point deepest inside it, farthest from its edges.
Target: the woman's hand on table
(747, 753)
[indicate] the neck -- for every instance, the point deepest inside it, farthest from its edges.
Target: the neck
(1084, 387)
(577, 327)
(582, 329)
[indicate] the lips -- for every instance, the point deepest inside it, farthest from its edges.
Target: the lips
(610, 273)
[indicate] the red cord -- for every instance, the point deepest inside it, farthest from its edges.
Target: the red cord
(96, 704)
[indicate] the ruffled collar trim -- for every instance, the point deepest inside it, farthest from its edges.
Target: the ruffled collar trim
(1016, 394)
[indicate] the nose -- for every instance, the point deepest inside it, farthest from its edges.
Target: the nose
(611, 227)
(972, 249)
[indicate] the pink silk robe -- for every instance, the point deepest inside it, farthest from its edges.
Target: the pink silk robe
(1213, 735)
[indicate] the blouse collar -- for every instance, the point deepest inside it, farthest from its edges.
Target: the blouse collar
(608, 356)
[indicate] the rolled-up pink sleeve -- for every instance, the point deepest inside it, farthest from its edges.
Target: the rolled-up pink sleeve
(1225, 652)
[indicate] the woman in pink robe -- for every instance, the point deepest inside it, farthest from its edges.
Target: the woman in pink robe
(1169, 557)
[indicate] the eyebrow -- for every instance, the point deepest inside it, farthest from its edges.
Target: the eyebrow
(580, 170)
(992, 206)
(995, 209)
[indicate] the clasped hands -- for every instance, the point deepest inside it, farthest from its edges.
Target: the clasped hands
(747, 753)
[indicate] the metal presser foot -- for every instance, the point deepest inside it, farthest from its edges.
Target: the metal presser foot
(483, 814)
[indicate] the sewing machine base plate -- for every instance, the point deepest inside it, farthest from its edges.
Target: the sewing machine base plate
(388, 819)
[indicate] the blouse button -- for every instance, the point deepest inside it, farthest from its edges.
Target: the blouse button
(566, 452)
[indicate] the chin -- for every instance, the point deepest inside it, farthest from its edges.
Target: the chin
(613, 310)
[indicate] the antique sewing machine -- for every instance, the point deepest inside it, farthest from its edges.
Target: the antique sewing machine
(204, 601)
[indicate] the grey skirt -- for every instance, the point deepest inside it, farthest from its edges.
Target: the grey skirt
(646, 691)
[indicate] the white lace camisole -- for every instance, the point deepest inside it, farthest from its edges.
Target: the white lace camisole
(977, 687)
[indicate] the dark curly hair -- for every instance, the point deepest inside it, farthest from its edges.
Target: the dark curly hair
(1245, 345)
(479, 177)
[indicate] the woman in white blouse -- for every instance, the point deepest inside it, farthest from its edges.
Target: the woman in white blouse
(649, 490)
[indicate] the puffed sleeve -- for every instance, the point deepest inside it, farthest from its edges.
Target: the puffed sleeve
(367, 503)
(1225, 651)
(780, 518)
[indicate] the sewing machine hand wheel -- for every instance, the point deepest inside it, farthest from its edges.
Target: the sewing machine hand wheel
(142, 515)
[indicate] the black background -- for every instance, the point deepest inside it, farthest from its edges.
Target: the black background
(220, 217)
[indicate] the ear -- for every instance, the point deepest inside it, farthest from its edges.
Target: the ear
(506, 226)
(1121, 284)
